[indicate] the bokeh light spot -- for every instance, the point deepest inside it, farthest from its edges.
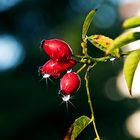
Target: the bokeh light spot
(11, 52)
(127, 1)
(133, 124)
(121, 84)
(82, 6)
(105, 17)
(6, 4)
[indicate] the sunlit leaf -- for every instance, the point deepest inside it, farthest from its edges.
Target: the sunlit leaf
(100, 41)
(130, 66)
(104, 44)
(131, 22)
(125, 39)
(77, 127)
(87, 22)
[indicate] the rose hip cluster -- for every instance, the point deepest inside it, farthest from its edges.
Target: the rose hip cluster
(60, 63)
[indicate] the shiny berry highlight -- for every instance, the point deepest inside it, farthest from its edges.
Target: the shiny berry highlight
(56, 69)
(57, 49)
(70, 83)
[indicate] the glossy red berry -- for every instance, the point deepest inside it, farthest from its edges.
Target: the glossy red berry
(56, 49)
(69, 83)
(55, 69)
(68, 64)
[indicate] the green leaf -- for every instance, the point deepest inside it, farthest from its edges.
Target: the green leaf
(131, 22)
(125, 39)
(104, 44)
(130, 66)
(87, 22)
(77, 127)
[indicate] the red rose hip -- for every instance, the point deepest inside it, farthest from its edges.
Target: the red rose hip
(70, 83)
(56, 49)
(55, 69)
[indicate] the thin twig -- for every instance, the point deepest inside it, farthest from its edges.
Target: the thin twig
(89, 100)
(79, 70)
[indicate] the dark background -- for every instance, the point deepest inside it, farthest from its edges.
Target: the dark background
(30, 110)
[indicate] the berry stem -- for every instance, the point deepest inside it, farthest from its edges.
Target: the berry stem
(101, 59)
(91, 59)
(79, 70)
(89, 100)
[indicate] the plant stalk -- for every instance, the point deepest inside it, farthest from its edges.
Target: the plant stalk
(90, 102)
(91, 59)
(79, 70)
